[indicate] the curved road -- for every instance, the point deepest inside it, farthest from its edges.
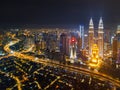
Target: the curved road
(100, 76)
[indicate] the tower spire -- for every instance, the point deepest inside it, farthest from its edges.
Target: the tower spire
(91, 36)
(100, 24)
(100, 38)
(91, 26)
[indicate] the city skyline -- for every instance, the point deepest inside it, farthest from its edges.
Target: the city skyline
(44, 59)
(60, 45)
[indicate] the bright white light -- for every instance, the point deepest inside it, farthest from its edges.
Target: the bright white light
(81, 62)
(72, 61)
(85, 35)
(12, 52)
(112, 36)
(36, 58)
(47, 59)
(11, 43)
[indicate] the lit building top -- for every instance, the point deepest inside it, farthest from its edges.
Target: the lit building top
(100, 24)
(73, 40)
(100, 31)
(91, 26)
(118, 29)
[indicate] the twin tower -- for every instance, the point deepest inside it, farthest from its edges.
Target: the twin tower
(96, 40)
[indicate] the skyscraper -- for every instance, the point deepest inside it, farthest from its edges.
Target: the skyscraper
(118, 43)
(114, 49)
(64, 44)
(94, 39)
(73, 48)
(100, 38)
(90, 36)
(82, 35)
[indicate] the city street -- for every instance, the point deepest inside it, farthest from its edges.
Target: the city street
(47, 63)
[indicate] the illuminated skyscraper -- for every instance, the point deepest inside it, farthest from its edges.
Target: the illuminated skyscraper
(90, 36)
(118, 44)
(73, 48)
(94, 57)
(82, 35)
(114, 48)
(100, 38)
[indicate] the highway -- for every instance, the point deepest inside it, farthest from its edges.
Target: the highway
(98, 75)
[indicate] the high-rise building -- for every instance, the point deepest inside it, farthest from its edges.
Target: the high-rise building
(73, 48)
(96, 38)
(90, 36)
(95, 56)
(114, 49)
(82, 35)
(118, 43)
(100, 38)
(64, 44)
(86, 41)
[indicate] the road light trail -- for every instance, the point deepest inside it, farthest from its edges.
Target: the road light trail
(14, 77)
(39, 87)
(28, 50)
(68, 67)
(58, 77)
(18, 82)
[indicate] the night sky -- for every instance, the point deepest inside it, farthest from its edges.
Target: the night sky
(59, 12)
